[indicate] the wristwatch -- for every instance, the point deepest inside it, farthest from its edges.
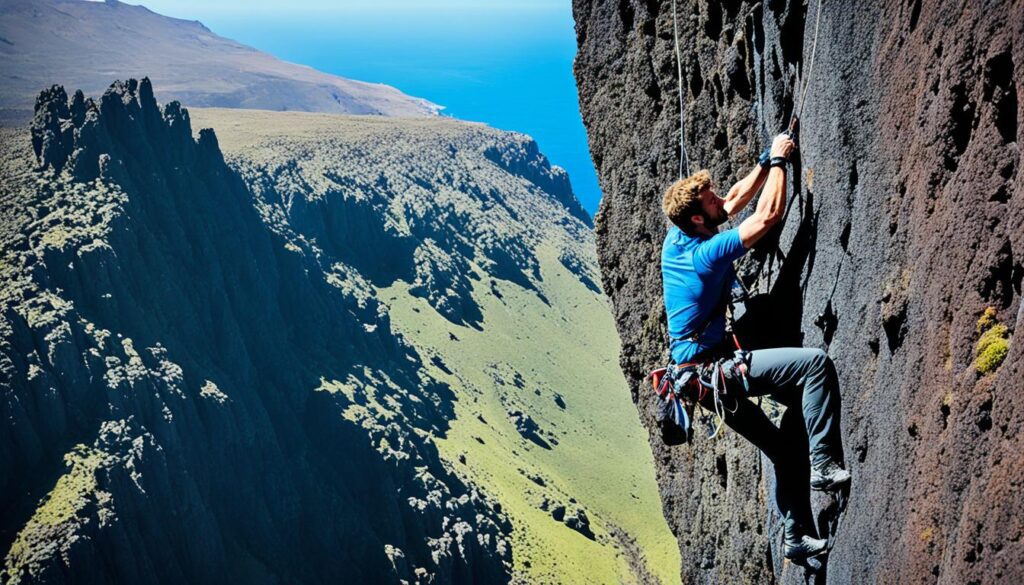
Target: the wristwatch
(778, 161)
(765, 158)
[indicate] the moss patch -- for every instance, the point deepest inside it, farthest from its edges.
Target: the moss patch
(987, 320)
(993, 345)
(60, 507)
(72, 488)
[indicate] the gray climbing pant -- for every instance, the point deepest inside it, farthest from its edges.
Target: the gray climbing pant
(805, 381)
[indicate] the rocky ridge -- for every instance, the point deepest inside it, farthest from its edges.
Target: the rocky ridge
(900, 254)
(363, 201)
(172, 358)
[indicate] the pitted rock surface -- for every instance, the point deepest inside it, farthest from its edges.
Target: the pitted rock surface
(901, 254)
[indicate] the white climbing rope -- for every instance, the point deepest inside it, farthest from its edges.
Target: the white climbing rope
(806, 82)
(683, 158)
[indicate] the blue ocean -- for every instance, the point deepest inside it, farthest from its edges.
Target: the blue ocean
(506, 64)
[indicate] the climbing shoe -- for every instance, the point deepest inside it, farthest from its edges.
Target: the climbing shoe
(804, 548)
(828, 476)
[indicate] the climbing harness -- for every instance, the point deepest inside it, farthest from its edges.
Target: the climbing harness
(680, 387)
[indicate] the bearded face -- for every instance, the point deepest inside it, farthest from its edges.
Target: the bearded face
(713, 209)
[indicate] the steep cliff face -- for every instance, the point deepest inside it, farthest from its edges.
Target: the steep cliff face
(900, 254)
(200, 397)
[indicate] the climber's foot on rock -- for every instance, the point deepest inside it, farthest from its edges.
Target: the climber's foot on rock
(828, 476)
(804, 548)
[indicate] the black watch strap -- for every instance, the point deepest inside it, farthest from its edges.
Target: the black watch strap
(778, 161)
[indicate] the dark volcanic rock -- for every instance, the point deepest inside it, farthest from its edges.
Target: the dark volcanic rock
(558, 512)
(52, 129)
(560, 401)
(527, 428)
(579, 522)
(905, 224)
(188, 395)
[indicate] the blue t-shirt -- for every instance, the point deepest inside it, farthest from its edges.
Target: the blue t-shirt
(696, 271)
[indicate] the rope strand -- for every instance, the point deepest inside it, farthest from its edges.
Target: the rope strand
(683, 158)
(804, 85)
(806, 82)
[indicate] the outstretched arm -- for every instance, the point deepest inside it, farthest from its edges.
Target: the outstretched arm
(742, 192)
(772, 203)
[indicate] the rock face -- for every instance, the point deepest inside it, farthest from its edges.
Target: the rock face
(900, 254)
(195, 393)
(85, 44)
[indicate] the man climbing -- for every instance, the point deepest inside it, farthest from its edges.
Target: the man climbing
(698, 277)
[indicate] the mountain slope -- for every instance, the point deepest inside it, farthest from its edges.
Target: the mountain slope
(170, 376)
(530, 343)
(274, 367)
(83, 44)
(900, 254)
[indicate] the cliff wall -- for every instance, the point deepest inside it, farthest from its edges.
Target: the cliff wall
(900, 254)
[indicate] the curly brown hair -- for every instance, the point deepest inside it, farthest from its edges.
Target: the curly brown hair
(682, 199)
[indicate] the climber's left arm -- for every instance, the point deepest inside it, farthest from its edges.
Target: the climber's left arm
(742, 192)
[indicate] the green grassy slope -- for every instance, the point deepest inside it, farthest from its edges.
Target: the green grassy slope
(602, 459)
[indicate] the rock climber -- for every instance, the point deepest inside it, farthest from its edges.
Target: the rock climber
(698, 277)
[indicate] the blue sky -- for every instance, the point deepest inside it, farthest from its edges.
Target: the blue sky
(504, 62)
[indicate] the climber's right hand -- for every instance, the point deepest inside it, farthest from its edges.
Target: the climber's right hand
(782, 146)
